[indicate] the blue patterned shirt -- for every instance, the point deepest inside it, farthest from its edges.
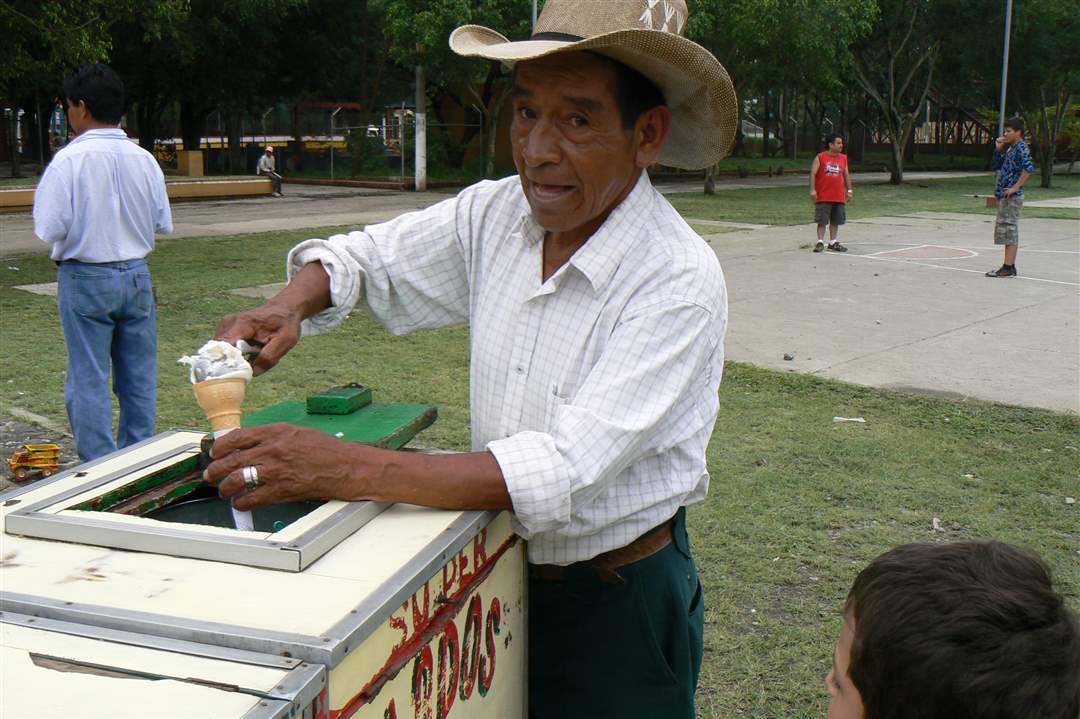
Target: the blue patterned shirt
(1013, 162)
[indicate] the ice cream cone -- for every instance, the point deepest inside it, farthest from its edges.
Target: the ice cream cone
(221, 398)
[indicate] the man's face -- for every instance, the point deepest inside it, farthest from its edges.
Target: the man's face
(836, 146)
(575, 160)
(1011, 135)
(846, 702)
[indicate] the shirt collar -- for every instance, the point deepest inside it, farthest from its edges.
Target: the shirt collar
(601, 254)
(99, 132)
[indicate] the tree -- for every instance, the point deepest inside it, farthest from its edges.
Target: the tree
(756, 41)
(1045, 72)
(894, 64)
(420, 29)
(42, 40)
(46, 39)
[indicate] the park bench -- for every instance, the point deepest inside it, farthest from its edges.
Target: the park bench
(21, 199)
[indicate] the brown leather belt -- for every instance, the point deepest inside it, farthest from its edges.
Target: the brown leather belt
(604, 565)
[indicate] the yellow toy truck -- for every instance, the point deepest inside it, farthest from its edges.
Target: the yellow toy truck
(43, 458)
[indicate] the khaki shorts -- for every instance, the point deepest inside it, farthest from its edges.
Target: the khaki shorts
(1007, 224)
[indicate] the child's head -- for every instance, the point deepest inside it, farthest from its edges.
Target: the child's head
(969, 630)
(1015, 123)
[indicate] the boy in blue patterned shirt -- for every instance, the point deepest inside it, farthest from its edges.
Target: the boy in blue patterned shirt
(1012, 160)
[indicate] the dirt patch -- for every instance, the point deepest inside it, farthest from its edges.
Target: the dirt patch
(14, 433)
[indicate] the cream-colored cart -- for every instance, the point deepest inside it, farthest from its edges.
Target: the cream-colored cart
(58, 670)
(412, 612)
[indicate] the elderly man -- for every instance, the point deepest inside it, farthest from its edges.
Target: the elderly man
(268, 168)
(597, 321)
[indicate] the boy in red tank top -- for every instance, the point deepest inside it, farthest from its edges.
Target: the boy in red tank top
(830, 189)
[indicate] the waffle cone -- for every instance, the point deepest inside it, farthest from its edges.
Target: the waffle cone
(221, 399)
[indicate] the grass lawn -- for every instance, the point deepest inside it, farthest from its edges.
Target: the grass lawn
(25, 180)
(872, 162)
(798, 503)
(791, 205)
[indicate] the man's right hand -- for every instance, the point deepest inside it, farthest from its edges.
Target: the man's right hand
(1000, 142)
(276, 325)
(272, 327)
(813, 196)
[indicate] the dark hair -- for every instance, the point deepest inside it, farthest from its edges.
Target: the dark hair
(100, 88)
(832, 137)
(634, 93)
(964, 630)
(1015, 122)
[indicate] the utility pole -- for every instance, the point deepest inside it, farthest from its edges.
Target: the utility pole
(420, 123)
(1005, 66)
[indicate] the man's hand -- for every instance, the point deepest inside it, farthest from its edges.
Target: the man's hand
(850, 192)
(293, 463)
(1010, 191)
(813, 196)
(273, 327)
(1000, 143)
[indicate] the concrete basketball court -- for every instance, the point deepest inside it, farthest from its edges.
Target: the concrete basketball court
(907, 307)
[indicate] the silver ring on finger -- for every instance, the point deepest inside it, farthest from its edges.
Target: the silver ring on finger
(250, 475)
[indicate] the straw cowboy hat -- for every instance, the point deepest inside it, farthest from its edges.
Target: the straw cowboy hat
(645, 35)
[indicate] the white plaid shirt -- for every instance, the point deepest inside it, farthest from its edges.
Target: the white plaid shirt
(595, 390)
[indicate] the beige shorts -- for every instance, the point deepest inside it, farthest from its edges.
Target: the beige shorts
(1007, 224)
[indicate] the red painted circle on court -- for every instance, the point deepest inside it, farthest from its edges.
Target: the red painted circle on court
(928, 252)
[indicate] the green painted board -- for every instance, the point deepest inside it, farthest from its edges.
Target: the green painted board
(382, 425)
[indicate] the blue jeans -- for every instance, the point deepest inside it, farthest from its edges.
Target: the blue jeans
(108, 315)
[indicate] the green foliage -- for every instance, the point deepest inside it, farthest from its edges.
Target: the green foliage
(46, 38)
(1070, 130)
(367, 153)
(757, 39)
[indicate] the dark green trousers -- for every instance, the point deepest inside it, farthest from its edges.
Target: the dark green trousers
(629, 650)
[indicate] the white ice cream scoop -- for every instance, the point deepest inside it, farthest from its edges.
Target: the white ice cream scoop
(217, 359)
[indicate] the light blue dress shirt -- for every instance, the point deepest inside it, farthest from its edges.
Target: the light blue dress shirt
(101, 199)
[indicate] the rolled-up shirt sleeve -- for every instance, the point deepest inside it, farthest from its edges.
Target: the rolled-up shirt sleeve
(653, 387)
(1026, 165)
(162, 211)
(53, 208)
(412, 271)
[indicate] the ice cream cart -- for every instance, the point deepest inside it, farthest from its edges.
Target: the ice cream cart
(412, 612)
(59, 669)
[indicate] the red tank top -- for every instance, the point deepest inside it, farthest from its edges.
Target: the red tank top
(829, 181)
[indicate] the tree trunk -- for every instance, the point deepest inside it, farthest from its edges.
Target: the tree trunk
(365, 34)
(765, 127)
(297, 150)
(791, 138)
(13, 136)
(492, 132)
(739, 145)
(192, 123)
(148, 117)
(896, 170)
(234, 120)
(909, 147)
